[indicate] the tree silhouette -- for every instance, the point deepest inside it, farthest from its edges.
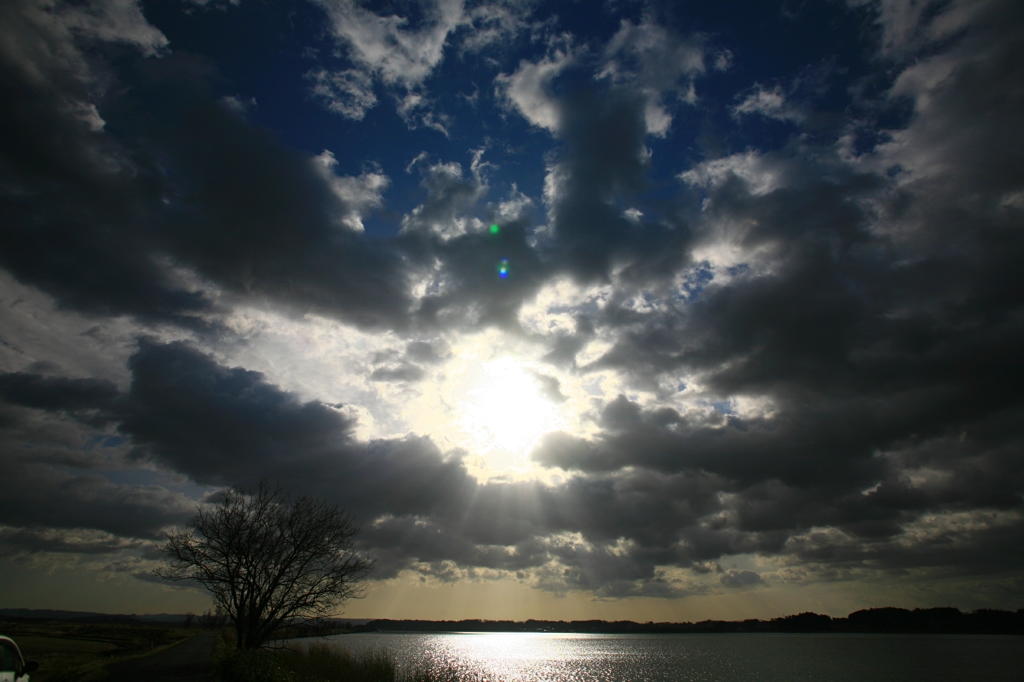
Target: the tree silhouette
(269, 561)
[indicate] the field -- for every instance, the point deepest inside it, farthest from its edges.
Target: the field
(69, 651)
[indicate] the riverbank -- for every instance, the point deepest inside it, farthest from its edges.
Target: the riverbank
(69, 651)
(886, 620)
(321, 662)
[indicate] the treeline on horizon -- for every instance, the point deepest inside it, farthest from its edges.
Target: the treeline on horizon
(941, 620)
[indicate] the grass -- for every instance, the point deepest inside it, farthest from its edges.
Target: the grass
(321, 663)
(33, 646)
(70, 651)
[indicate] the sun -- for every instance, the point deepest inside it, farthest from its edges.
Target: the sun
(503, 411)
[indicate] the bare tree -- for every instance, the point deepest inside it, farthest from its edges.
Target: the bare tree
(269, 561)
(213, 619)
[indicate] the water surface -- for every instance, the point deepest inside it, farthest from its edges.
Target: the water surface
(763, 657)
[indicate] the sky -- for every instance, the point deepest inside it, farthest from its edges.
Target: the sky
(627, 310)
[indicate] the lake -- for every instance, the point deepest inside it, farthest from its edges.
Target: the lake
(762, 657)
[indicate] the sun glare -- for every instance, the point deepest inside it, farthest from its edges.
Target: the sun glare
(504, 412)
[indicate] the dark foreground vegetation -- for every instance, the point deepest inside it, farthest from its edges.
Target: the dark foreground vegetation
(943, 620)
(299, 557)
(78, 650)
(318, 662)
(79, 647)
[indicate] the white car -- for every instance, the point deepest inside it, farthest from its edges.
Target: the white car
(13, 666)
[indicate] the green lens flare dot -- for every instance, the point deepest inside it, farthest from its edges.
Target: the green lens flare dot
(495, 229)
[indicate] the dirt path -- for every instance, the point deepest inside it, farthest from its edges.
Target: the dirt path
(185, 662)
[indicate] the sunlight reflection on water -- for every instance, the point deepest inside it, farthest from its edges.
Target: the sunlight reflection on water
(559, 657)
(562, 658)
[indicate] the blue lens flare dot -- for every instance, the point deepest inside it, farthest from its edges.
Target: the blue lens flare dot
(503, 268)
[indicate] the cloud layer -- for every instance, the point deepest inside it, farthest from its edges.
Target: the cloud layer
(786, 347)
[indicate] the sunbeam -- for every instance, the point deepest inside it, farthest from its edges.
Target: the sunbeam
(503, 412)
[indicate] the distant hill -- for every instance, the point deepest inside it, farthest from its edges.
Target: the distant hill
(151, 618)
(943, 620)
(52, 614)
(880, 620)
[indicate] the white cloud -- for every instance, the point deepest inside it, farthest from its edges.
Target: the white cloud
(384, 46)
(528, 89)
(723, 241)
(389, 50)
(348, 93)
(422, 156)
(449, 194)
(955, 120)
(556, 305)
(761, 174)
(416, 110)
(317, 359)
(89, 115)
(495, 23)
(899, 20)
(908, 25)
(655, 55)
(660, 63)
(38, 333)
(770, 104)
(238, 106)
(723, 60)
(514, 207)
(954, 527)
(555, 182)
(645, 57)
(359, 194)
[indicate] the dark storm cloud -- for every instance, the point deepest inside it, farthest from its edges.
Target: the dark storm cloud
(72, 226)
(467, 292)
(220, 426)
(550, 387)
(835, 470)
(35, 540)
(421, 351)
(994, 548)
(420, 509)
(457, 258)
(210, 421)
(230, 426)
(259, 219)
(40, 496)
(99, 214)
(449, 197)
(399, 373)
(57, 393)
(105, 216)
(105, 220)
(734, 578)
(868, 315)
(417, 506)
(849, 323)
(74, 199)
(225, 425)
(604, 164)
(50, 427)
